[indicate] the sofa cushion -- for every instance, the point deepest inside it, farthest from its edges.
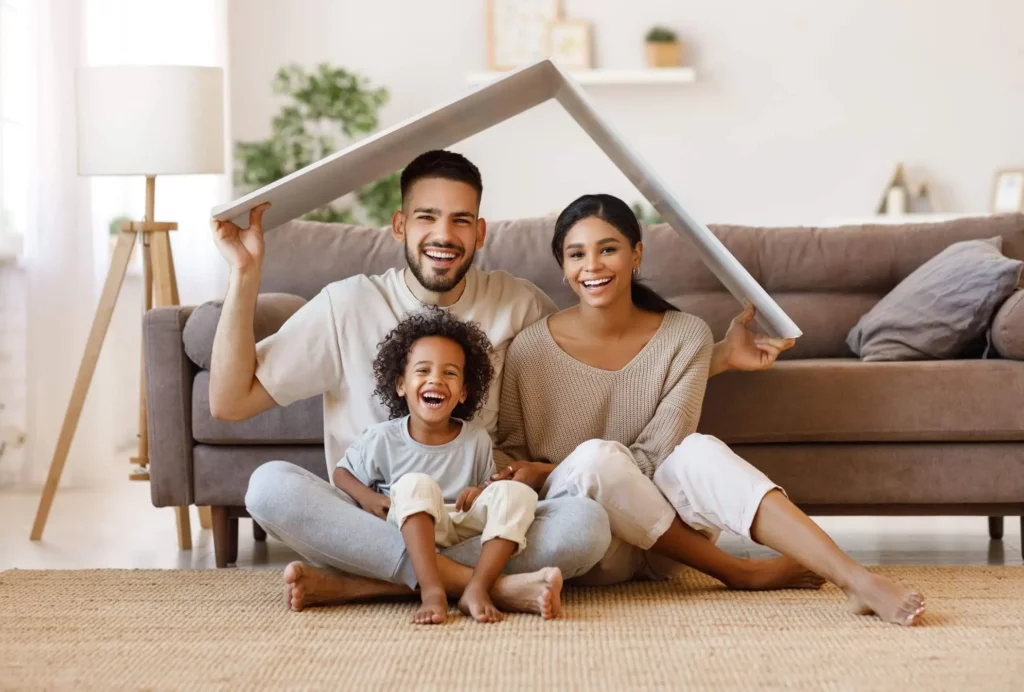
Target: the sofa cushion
(846, 400)
(222, 472)
(943, 309)
(299, 423)
(1008, 327)
(272, 310)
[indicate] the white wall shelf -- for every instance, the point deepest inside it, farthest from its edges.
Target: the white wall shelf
(661, 75)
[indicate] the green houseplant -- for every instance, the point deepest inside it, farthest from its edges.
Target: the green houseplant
(646, 215)
(319, 106)
(663, 48)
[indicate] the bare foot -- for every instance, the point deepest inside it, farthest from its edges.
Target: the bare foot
(434, 609)
(873, 593)
(777, 573)
(477, 604)
(305, 585)
(538, 592)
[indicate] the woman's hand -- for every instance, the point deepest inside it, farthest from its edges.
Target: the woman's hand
(466, 499)
(375, 503)
(532, 473)
(742, 349)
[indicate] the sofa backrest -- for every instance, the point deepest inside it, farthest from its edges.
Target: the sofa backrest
(824, 278)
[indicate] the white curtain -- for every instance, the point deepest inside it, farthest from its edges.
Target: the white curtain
(68, 245)
(58, 262)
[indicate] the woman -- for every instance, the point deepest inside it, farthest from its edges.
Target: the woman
(602, 400)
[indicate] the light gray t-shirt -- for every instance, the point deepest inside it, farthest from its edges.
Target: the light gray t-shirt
(385, 452)
(328, 346)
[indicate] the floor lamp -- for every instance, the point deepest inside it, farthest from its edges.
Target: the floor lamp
(148, 121)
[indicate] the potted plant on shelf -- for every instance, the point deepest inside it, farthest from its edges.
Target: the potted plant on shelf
(663, 48)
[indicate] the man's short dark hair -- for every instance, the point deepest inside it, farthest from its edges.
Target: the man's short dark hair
(393, 354)
(441, 164)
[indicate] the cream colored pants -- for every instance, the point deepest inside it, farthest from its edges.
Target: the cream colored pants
(503, 510)
(702, 481)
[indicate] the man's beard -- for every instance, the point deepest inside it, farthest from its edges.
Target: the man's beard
(437, 283)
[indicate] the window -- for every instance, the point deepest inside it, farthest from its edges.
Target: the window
(14, 102)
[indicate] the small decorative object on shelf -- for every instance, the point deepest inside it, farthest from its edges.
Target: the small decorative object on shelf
(569, 44)
(663, 48)
(1008, 192)
(922, 202)
(896, 198)
(517, 31)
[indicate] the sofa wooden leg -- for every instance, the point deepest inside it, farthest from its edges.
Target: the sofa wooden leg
(233, 542)
(258, 532)
(225, 542)
(995, 528)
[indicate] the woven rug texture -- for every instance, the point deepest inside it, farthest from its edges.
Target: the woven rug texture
(229, 629)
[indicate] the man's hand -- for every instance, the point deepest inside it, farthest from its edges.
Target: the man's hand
(532, 473)
(375, 503)
(742, 349)
(242, 248)
(466, 499)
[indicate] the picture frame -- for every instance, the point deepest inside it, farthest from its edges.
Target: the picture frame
(569, 44)
(1008, 191)
(517, 31)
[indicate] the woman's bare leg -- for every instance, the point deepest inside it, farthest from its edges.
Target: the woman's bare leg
(683, 544)
(780, 525)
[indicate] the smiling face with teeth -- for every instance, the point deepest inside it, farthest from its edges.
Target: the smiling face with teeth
(433, 381)
(598, 262)
(441, 232)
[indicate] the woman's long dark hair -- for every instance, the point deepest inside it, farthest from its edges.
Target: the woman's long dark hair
(614, 211)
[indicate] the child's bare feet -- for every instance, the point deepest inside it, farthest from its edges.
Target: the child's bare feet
(477, 604)
(873, 593)
(538, 592)
(777, 573)
(434, 609)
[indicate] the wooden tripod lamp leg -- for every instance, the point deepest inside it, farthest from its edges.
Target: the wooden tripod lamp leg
(140, 470)
(101, 322)
(164, 293)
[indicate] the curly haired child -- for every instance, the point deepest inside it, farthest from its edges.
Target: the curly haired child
(426, 469)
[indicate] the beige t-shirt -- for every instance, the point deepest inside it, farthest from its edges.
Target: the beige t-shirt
(329, 345)
(551, 402)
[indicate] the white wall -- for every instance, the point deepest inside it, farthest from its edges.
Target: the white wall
(800, 112)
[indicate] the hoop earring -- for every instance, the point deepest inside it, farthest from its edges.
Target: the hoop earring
(636, 273)
(565, 279)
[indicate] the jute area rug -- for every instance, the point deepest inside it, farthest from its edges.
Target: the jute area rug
(192, 630)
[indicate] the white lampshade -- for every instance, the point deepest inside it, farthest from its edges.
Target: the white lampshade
(150, 120)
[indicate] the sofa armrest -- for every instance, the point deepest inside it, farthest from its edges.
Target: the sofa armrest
(169, 375)
(1008, 327)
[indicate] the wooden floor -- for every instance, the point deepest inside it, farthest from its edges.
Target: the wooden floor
(117, 527)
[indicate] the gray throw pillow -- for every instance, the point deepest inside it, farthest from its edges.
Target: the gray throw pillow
(942, 309)
(272, 310)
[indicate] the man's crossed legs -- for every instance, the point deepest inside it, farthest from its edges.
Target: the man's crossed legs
(358, 556)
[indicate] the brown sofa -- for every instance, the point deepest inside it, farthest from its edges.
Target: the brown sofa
(841, 435)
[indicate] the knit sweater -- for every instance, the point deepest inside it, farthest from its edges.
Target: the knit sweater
(551, 402)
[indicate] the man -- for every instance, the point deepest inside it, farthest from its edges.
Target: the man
(328, 347)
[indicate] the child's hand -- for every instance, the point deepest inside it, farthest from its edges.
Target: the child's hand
(466, 499)
(376, 504)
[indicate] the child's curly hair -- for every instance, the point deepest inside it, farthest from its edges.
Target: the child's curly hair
(393, 354)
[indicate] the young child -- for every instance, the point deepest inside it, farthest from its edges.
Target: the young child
(425, 469)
